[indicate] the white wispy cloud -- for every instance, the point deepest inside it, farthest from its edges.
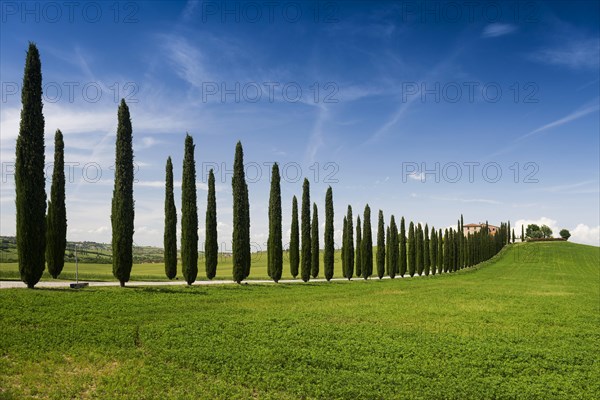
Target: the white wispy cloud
(574, 54)
(497, 29)
(580, 113)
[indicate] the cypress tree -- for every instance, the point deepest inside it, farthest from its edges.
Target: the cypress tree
(367, 244)
(314, 237)
(189, 214)
(328, 250)
(275, 244)
(56, 227)
(241, 218)
(522, 233)
(426, 251)
(393, 246)
(388, 251)
(440, 252)
(170, 234)
(305, 231)
(211, 244)
(122, 214)
(433, 251)
(446, 251)
(358, 258)
(349, 243)
(412, 254)
(380, 255)
(403, 261)
(513, 235)
(344, 246)
(29, 174)
(294, 240)
(419, 246)
(508, 233)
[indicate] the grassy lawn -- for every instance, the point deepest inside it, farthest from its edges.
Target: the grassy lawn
(524, 326)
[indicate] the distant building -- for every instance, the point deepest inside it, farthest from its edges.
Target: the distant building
(472, 228)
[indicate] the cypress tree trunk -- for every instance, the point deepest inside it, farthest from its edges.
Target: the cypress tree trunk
(380, 246)
(189, 214)
(328, 251)
(412, 255)
(241, 218)
(367, 244)
(294, 240)
(211, 244)
(56, 228)
(426, 251)
(358, 258)
(170, 234)
(344, 246)
(349, 244)
(275, 244)
(305, 231)
(122, 214)
(314, 236)
(403, 261)
(29, 174)
(419, 244)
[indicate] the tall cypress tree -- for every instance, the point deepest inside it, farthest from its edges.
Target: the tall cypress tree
(388, 250)
(349, 244)
(344, 246)
(403, 260)
(393, 246)
(440, 252)
(211, 244)
(522, 233)
(419, 246)
(412, 251)
(189, 214)
(433, 251)
(508, 233)
(447, 256)
(380, 246)
(294, 240)
(358, 258)
(513, 235)
(29, 174)
(170, 234)
(314, 237)
(275, 241)
(367, 244)
(56, 227)
(122, 214)
(241, 218)
(426, 251)
(328, 250)
(305, 232)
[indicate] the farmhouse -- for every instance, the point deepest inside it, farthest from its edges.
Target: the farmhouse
(472, 228)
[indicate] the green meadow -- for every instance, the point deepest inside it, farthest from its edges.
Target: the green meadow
(524, 325)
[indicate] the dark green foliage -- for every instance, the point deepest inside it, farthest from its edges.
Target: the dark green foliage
(328, 251)
(211, 244)
(122, 214)
(440, 252)
(403, 263)
(387, 250)
(412, 250)
(241, 218)
(419, 248)
(426, 254)
(380, 246)
(393, 249)
(56, 227)
(508, 231)
(294, 240)
(170, 234)
(564, 233)
(314, 237)
(366, 249)
(522, 233)
(433, 251)
(29, 174)
(344, 245)
(275, 241)
(189, 214)
(305, 227)
(447, 247)
(349, 250)
(358, 258)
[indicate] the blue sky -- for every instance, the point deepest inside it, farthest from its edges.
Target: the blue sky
(357, 95)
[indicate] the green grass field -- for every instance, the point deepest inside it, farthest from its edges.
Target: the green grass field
(524, 325)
